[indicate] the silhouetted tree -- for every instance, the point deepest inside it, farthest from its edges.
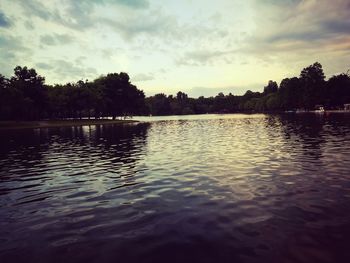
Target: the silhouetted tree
(159, 104)
(271, 87)
(338, 91)
(290, 93)
(29, 92)
(26, 97)
(312, 81)
(119, 96)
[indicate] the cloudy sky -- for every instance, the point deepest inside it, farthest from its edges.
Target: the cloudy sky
(200, 47)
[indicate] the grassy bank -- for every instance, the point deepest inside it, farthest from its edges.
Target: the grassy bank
(57, 123)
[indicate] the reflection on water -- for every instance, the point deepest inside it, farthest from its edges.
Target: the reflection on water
(210, 188)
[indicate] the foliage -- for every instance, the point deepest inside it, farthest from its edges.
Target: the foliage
(26, 97)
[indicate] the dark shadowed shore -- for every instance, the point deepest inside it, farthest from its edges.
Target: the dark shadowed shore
(58, 123)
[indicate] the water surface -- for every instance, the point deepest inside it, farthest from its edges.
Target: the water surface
(208, 188)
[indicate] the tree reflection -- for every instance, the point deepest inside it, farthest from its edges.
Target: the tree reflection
(306, 130)
(102, 144)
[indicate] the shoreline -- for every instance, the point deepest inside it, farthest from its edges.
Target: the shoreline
(9, 125)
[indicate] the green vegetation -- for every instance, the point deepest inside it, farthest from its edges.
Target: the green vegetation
(25, 96)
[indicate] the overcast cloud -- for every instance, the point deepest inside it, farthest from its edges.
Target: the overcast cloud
(167, 46)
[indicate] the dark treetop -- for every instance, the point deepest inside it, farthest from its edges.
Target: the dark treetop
(25, 96)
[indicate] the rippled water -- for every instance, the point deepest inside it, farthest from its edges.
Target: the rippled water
(211, 188)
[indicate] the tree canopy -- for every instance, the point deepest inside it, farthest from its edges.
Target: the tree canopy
(25, 96)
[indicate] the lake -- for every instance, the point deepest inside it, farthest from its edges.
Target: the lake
(206, 188)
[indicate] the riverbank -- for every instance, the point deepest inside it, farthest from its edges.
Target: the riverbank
(4, 125)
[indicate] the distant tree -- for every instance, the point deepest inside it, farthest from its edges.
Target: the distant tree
(33, 92)
(290, 93)
(111, 95)
(271, 87)
(182, 97)
(112, 91)
(248, 101)
(135, 99)
(231, 103)
(250, 94)
(219, 103)
(273, 102)
(338, 91)
(312, 80)
(3, 81)
(175, 107)
(203, 105)
(250, 105)
(120, 97)
(5, 106)
(25, 96)
(159, 104)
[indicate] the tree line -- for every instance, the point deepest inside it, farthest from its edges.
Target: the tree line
(25, 96)
(304, 92)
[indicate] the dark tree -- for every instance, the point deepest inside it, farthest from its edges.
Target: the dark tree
(312, 81)
(31, 93)
(119, 96)
(26, 97)
(290, 94)
(338, 91)
(159, 104)
(271, 87)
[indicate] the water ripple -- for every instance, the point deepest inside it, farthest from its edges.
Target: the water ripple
(209, 188)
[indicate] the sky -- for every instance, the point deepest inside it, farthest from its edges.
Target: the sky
(201, 47)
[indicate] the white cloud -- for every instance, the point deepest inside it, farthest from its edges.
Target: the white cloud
(142, 77)
(205, 44)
